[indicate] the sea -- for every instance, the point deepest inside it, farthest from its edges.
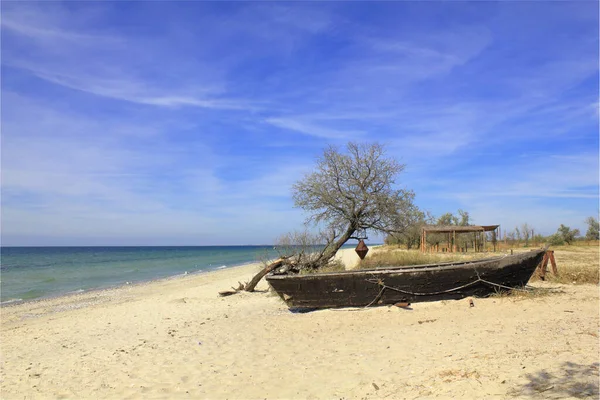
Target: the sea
(29, 273)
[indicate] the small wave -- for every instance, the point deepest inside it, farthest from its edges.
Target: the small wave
(77, 291)
(222, 267)
(10, 301)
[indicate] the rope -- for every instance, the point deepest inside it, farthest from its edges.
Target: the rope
(384, 286)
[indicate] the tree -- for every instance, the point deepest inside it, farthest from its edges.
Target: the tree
(511, 236)
(411, 237)
(593, 231)
(567, 234)
(354, 192)
(518, 233)
(449, 219)
(526, 233)
(348, 193)
(464, 218)
(555, 240)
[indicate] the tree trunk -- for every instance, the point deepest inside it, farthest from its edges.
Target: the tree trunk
(252, 284)
(328, 254)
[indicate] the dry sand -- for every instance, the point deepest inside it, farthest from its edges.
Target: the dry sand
(177, 339)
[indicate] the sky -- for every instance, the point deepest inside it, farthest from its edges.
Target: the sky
(187, 123)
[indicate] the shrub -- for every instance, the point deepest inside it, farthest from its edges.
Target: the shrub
(555, 240)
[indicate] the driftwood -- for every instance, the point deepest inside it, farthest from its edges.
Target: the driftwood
(249, 287)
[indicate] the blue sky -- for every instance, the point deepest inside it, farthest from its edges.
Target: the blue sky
(186, 123)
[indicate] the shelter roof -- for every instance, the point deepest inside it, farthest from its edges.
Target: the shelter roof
(459, 228)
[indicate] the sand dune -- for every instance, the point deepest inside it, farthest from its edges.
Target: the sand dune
(177, 339)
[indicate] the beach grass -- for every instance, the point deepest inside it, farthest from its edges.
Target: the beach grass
(575, 264)
(387, 257)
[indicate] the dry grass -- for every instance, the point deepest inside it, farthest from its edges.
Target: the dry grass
(575, 264)
(525, 293)
(332, 266)
(450, 375)
(387, 257)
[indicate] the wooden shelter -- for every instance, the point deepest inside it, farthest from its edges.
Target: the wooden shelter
(450, 231)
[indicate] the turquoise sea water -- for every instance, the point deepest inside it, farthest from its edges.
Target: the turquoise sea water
(29, 273)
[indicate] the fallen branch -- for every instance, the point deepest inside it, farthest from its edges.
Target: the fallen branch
(249, 287)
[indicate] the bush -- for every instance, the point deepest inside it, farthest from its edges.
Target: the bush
(555, 240)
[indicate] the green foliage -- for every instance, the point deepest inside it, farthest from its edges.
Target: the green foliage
(450, 219)
(593, 231)
(555, 240)
(447, 219)
(568, 235)
(411, 237)
(538, 238)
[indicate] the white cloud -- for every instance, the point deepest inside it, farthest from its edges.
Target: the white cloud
(105, 65)
(313, 129)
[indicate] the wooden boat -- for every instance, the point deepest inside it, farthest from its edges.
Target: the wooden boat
(406, 284)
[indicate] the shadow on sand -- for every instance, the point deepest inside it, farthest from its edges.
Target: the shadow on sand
(575, 380)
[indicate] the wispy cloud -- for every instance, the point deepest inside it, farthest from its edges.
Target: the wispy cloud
(312, 129)
(91, 63)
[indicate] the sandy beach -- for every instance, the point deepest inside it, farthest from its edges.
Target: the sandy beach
(176, 339)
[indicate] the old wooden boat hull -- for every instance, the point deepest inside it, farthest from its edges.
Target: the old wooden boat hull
(406, 284)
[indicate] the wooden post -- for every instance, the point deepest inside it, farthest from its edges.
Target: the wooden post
(548, 256)
(553, 262)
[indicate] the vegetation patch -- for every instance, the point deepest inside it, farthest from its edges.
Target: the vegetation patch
(397, 257)
(450, 375)
(526, 293)
(576, 265)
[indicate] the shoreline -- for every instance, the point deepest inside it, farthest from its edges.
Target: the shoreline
(348, 260)
(92, 296)
(16, 301)
(13, 302)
